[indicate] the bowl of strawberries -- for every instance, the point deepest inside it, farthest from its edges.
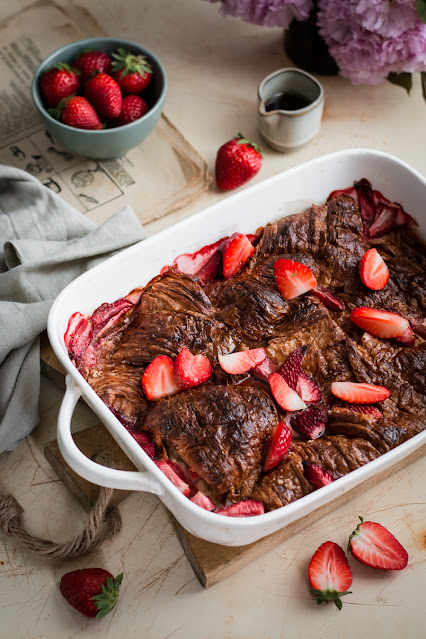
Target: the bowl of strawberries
(100, 97)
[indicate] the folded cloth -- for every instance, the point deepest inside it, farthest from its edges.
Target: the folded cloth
(44, 244)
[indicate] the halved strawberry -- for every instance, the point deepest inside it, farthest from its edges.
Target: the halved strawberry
(292, 367)
(203, 501)
(285, 396)
(375, 546)
(264, 369)
(247, 508)
(159, 379)
(311, 423)
(373, 270)
(408, 338)
(359, 393)
(191, 370)
(277, 446)
(328, 299)
(236, 253)
(379, 323)
(329, 574)
(293, 278)
(365, 409)
(241, 361)
(317, 475)
(168, 471)
(308, 390)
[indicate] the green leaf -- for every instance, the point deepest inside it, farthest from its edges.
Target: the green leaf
(421, 9)
(423, 81)
(403, 79)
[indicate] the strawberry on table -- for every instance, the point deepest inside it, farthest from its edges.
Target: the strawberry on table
(133, 108)
(91, 591)
(237, 161)
(59, 82)
(293, 278)
(159, 379)
(192, 370)
(379, 323)
(373, 270)
(329, 574)
(133, 73)
(285, 396)
(241, 361)
(359, 393)
(79, 113)
(90, 62)
(375, 546)
(277, 446)
(104, 94)
(236, 252)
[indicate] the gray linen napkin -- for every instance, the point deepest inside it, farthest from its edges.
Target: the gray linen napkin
(44, 244)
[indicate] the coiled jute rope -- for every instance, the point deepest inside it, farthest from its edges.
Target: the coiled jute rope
(100, 527)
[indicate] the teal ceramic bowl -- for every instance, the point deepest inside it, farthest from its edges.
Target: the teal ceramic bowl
(108, 143)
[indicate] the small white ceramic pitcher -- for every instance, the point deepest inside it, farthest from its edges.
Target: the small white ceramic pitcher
(290, 106)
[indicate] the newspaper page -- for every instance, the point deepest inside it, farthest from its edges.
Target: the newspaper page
(158, 176)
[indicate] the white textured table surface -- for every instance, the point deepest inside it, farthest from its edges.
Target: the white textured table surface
(214, 67)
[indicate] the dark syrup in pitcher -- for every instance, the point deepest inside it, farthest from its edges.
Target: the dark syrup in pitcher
(288, 101)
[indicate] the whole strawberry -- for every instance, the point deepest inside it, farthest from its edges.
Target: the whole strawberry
(59, 82)
(90, 62)
(132, 72)
(104, 94)
(91, 591)
(237, 161)
(78, 113)
(134, 107)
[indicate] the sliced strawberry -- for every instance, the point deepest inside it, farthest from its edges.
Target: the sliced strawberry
(351, 191)
(159, 379)
(388, 216)
(329, 574)
(193, 263)
(264, 369)
(184, 471)
(373, 270)
(73, 322)
(358, 393)
(247, 508)
(285, 396)
(277, 446)
(81, 338)
(191, 370)
(141, 438)
(236, 253)
(366, 202)
(408, 338)
(328, 299)
(150, 450)
(379, 323)
(203, 501)
(241, 361)
(317, 475)
(211, 269)
(308, 390)
(292, 367)
(311, 423)
(365, 409)
(375, 546)
(293, 278)
(168, 471)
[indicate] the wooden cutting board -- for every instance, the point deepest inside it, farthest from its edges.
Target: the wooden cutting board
(211, 562)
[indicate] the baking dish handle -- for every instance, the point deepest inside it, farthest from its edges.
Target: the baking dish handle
(85, 467)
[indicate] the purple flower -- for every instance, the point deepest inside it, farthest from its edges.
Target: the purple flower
(269, 13)
(371, 38)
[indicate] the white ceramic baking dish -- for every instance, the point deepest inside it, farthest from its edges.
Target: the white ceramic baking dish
(288, 192)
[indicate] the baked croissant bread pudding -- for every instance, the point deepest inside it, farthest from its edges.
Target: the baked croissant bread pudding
(263, 367)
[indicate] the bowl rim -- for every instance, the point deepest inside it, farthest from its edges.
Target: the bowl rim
(48, 61)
